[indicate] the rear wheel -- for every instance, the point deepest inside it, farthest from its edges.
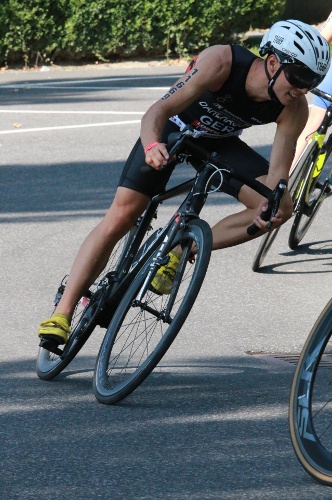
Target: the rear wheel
(145, 323)
(49, 364)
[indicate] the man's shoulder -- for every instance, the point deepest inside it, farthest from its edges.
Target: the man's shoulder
(242, 53)
(216, 55)
(231, 48)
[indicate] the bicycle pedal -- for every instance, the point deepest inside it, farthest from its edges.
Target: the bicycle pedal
(50, 344)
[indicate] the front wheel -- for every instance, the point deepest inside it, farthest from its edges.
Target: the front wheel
(310, 410)
(307, 197)
(302, 222)
(146, 323)
(268, 239)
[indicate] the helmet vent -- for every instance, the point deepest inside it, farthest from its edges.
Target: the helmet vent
(298, 47)
(309, 35)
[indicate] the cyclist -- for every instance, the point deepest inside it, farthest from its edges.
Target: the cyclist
(319, 106)
(224, 90)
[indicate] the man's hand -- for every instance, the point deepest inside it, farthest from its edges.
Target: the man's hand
(262, 224)
(157, 157)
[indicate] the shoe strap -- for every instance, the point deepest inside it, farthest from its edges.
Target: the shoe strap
(54, 323)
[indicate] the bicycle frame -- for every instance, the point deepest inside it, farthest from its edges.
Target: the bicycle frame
(130, 265)
(190, 208)
(127, 261)
(319, 138)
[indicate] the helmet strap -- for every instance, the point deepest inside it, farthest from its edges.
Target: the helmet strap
(272, 81)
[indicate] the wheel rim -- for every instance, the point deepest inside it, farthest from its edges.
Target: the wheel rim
(312, 406)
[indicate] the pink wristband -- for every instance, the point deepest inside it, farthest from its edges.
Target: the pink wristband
(150, 146)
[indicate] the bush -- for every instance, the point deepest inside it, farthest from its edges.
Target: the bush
(158, 27)
(31, 30)
(48, 30)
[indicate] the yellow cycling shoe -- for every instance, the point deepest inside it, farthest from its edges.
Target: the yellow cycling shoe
(163, 280)
(56, 328)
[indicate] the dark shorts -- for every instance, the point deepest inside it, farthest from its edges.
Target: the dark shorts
(233, 150)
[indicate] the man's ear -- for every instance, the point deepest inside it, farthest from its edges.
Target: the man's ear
(272, 64)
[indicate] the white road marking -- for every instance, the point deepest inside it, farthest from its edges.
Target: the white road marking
(45, 112)
(69, 84)
(46, 129)
(37, 86)
(112, 79)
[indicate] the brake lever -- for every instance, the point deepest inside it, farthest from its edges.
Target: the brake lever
(272, 209)
(175, 141)
(173, 150)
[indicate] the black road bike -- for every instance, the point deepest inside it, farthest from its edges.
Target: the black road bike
(141, 324)
(308, 186)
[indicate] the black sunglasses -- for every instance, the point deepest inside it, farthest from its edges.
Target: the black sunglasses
(301, 77)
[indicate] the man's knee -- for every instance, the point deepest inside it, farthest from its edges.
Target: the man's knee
(127, 206)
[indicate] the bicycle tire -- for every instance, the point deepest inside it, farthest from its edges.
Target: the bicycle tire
(301, 224)
(141, 330)
(48, 364)
(264, 247)
(310, 407)
(268, 239)
(305, 213)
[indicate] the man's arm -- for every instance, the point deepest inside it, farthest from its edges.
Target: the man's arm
(326, 29)
(289, 126)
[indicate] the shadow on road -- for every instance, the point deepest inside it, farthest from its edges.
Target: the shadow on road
(33, 193)
(196, 429)
(309, 258)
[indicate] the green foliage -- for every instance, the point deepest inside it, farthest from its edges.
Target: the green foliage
(46, 30)
(31, 28)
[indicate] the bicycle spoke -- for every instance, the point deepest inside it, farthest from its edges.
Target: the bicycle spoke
(136, 343)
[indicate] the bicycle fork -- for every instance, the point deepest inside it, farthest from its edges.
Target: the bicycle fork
(188, 211)
(161, 258)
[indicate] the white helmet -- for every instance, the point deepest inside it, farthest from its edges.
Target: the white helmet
(296, 42)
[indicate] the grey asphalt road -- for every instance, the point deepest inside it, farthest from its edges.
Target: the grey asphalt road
(211, 421)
